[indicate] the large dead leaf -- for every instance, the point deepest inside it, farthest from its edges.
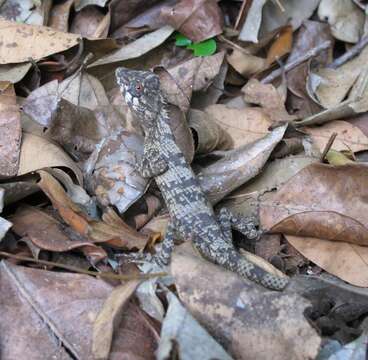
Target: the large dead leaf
(321, 201)
(235, 307)
(27, 41)
(11, 132)
(349, 137)
(347, 261)
(57, 307)
(244, 125)
(197, 19)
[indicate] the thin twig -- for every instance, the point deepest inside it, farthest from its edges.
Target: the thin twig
(328, 145)
(291, 65)
(279, 4)
(348, 55)
(241, 13)
(108, 275)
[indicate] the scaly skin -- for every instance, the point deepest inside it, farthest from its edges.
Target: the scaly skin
(192, 216)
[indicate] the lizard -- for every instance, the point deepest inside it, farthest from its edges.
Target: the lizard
(191, 214)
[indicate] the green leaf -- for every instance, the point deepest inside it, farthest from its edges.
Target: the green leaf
(182, 40)
(204, 48)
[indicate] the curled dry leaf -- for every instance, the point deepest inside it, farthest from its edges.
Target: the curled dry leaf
(179, 82)
(11, 132)
(209, 136)
(234, 307)
(109, 318)
(47, 233)
(321, 201)
(35, 42)
(344, 17)
(349, 137)
(115, 180)
(111, 230)
(281, 46)
(243, 125)
(196, 19)
(14, 72)
(59, 16)
(238, 166)
(38, 153)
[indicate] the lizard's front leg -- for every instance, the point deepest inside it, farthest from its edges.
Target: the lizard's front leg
(153, 161)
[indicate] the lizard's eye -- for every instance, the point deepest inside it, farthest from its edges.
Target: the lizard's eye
(138, 87)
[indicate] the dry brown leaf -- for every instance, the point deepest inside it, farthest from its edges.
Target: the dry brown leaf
(20, 42)
(321, 201)
(109, 318)
(197, 19)
(47, 233)
(349, 137)
(235, 307)
(112, 230)
(244, 126)
(270, 100)
(347, 261)
(281, 46)
(11, 132)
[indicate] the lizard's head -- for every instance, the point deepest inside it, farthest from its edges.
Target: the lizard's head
(141, 90)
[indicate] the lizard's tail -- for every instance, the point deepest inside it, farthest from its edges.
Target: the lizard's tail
(244, 267)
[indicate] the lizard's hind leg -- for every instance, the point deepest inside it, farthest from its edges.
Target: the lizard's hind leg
(164, 255)
(246, 226)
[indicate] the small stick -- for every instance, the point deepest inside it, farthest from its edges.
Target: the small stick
(241, 13)
(289, 66)
(348, 55)
(328, 145)
(279, 4)
(108, 275)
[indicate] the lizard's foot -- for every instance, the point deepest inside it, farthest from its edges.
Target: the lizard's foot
(245, 225)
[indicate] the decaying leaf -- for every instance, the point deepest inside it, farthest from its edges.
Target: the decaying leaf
(235, 307)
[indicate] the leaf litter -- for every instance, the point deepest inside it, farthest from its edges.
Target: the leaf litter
(268, 102)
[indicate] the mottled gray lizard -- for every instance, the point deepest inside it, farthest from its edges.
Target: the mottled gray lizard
(191, 215)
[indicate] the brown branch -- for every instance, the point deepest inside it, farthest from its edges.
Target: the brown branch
(293, 64)
(108, 275)
(328, 145)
